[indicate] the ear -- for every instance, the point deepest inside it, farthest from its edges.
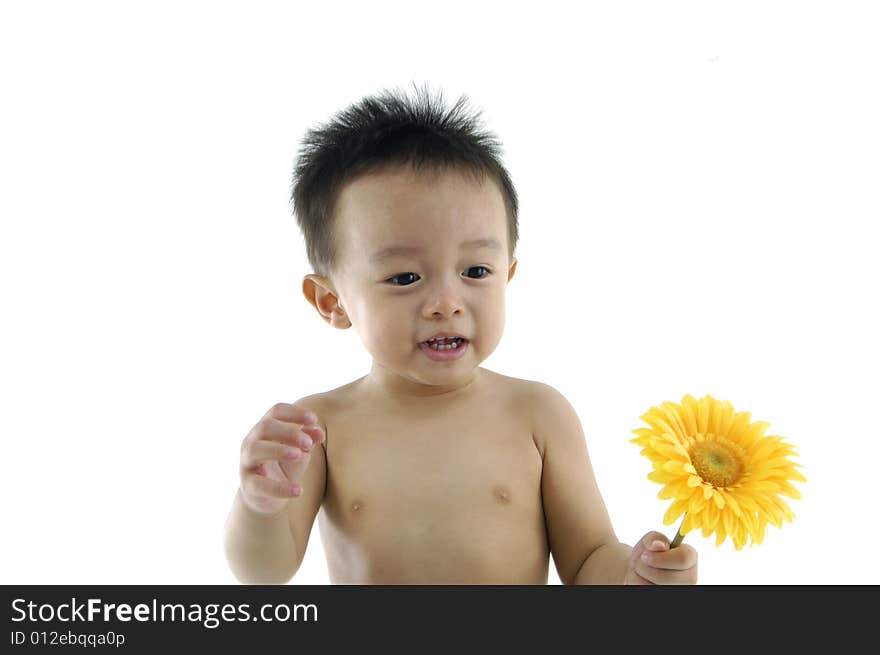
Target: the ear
(512, 270)
(321, 295)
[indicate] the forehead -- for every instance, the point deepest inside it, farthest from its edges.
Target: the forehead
(401, 206)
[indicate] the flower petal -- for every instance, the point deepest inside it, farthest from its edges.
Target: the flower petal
(662, 477)
(674, 466)
(676, 509)
(687, 523)
(673, 452)
(698, 502)
(689, 414)
(657, 421)
(788, 490)
(739, 425)
(674, 490)
(727, 521)
(754, 432)
(704, 409)
(730, 500)
(673, 415)
(725, 418)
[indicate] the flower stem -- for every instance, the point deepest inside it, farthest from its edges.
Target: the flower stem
(679, 537)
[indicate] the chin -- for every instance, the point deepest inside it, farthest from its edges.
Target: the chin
(450, 375)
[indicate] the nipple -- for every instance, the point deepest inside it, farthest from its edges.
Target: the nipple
(502, 494)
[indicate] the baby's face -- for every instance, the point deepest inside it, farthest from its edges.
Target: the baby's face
(420, 255)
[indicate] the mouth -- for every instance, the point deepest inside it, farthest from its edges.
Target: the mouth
(443, 343)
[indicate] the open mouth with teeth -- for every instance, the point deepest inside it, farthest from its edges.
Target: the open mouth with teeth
(445, 343)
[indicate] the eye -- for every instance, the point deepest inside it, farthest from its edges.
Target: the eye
(477, 272)
(403, 279)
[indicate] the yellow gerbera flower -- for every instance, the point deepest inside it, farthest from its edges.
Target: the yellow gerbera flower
(719, 468)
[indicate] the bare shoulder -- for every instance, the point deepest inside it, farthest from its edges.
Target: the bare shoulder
(548, 412)
(327, 404)
(508, 390)
(547, 399)
(534, 395)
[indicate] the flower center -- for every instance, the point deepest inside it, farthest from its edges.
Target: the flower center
(717, 461)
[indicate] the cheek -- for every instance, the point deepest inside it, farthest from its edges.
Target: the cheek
(491, 314)
(384, 326)
(496, 303)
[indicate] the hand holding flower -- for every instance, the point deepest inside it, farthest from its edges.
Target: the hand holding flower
(652, 561)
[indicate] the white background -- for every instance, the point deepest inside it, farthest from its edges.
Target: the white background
(698, 186)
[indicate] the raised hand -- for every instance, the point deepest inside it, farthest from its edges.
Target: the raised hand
(274, 456)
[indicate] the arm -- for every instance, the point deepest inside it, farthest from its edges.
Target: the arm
(259, 547)
(582, 540)
(267, 547)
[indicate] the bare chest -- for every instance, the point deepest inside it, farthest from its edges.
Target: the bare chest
(451, 489)
(429, 462)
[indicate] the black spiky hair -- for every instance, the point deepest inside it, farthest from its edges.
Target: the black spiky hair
(381, 131)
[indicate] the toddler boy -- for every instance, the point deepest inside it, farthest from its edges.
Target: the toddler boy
(429, 469)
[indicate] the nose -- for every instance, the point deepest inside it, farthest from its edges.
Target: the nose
(443, 302)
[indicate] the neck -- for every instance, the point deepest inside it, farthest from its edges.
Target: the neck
(394, 385)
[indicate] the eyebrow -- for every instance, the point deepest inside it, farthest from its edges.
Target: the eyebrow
(490, 243)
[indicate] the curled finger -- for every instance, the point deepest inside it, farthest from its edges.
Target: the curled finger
(263, 450)
(259, 485)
